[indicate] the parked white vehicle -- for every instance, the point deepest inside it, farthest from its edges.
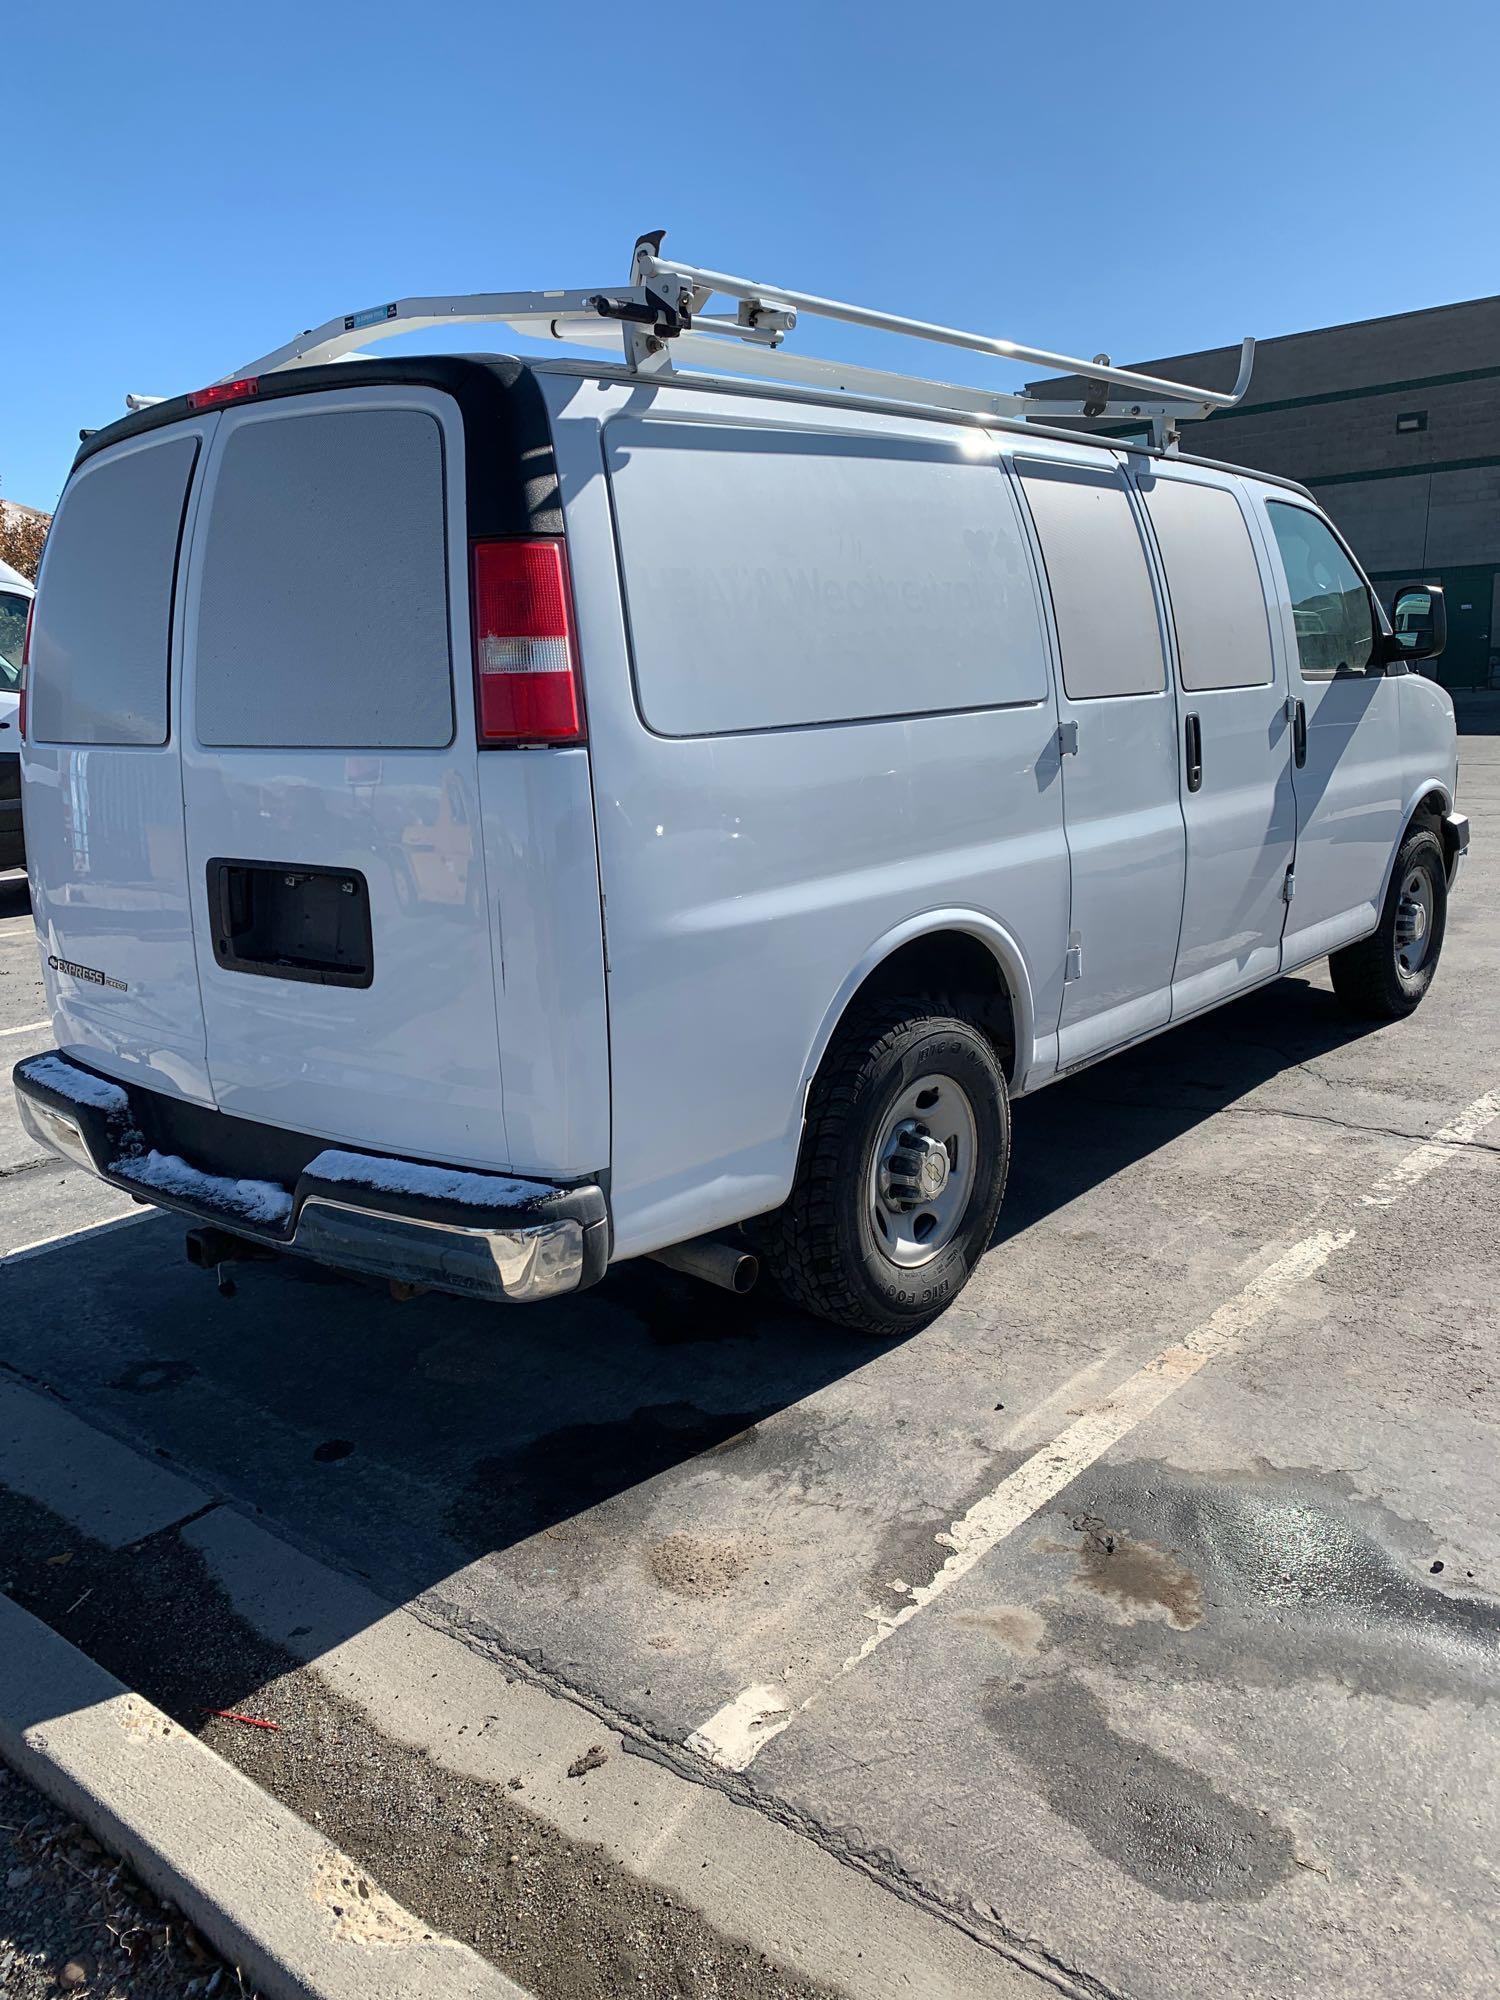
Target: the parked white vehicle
(15, 605)
(491, 820)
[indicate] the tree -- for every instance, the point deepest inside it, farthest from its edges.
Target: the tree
(21, 539)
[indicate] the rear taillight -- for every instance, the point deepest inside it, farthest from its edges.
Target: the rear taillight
(25, 670)
(217, 394)
(525, 668)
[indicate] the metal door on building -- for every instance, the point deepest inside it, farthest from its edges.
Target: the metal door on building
(1471, 658)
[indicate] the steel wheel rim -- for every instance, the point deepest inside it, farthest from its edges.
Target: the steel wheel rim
(911, 1219)
(1415, 908)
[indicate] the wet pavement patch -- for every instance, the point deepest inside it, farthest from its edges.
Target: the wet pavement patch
(1162, 1823)
(1271, 1575)
(147, 1378)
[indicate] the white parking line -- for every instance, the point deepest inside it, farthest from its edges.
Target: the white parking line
(736, 1734)
(26, 1028)
(1434, 1152)
(93, 1229)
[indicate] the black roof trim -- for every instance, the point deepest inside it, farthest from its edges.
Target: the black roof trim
(511, 471)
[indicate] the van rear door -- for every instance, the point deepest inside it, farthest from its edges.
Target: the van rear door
(103, 779)
(329, 777)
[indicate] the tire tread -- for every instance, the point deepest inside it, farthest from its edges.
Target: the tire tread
(800, 1240)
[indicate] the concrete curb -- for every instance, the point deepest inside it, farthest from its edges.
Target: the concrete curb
(271, 1895)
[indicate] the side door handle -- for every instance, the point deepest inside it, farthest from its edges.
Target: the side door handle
(1193, 733)
(1299, 732)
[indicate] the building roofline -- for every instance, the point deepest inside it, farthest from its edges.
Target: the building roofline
(1335, 326)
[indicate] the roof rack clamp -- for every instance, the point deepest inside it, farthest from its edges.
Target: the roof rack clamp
(757, 316)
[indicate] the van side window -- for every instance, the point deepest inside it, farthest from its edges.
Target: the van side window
(1213, 581)
(1102, 598)
(1330, 604)
(101, 633)
(778, 577)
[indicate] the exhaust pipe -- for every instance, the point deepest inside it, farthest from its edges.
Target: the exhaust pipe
(726, 1265)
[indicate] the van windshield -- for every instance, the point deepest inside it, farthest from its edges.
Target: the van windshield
(13, 609)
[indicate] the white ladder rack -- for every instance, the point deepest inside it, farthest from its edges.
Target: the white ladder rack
(659, 324)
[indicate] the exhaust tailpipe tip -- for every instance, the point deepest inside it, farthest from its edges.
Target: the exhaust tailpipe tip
(728, 1265)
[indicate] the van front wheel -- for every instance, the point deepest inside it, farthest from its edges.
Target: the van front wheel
(902, 1171)
(1385, 975)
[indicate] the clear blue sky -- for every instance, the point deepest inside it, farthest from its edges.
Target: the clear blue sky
(188, 186)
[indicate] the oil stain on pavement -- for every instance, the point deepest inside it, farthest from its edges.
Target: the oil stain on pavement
(1160, 1821)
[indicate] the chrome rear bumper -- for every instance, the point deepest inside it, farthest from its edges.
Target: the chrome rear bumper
(482, 1235)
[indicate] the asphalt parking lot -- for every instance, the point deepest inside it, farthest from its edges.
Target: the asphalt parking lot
(1139, 1620)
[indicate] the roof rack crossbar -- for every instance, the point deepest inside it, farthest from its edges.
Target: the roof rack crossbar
(660, 319)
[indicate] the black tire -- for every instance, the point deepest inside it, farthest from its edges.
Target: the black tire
(1371, 977)
(821, 1245)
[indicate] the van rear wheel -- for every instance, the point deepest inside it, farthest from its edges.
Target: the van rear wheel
(902, 1171)
(1385, 975)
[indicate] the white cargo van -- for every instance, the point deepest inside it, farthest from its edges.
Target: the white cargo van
(490, 820)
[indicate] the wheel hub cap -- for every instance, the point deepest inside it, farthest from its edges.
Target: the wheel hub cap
(1414, 915)
(922, 1171)
(915, 1167)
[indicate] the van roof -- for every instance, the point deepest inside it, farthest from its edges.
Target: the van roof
(500, 393)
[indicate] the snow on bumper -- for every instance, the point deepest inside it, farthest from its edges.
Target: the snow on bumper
(481, 1235)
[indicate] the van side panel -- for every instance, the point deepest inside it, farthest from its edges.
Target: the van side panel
(543, 869)
(746, 872)
(1124, 818)
(1242, 815)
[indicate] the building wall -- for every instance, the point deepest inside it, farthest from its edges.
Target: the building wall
(1322, 409)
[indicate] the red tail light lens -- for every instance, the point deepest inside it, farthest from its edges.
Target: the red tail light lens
(524, 663)
(219, 393)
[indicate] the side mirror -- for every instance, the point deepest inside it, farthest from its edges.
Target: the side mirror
(1419, 617)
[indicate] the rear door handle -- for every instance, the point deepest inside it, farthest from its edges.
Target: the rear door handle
(1299, 734)
(1193, 733)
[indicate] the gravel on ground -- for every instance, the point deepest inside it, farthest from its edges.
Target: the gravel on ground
(75, 1922)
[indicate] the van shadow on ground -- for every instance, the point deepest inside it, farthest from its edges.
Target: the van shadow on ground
(363, 1430)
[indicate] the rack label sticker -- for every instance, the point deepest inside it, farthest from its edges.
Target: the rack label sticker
(373, 316)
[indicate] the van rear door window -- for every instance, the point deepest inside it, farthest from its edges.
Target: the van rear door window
(101, 633)
(778, 577)
(1102, 598)
(1213, 580)
(323, 612)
